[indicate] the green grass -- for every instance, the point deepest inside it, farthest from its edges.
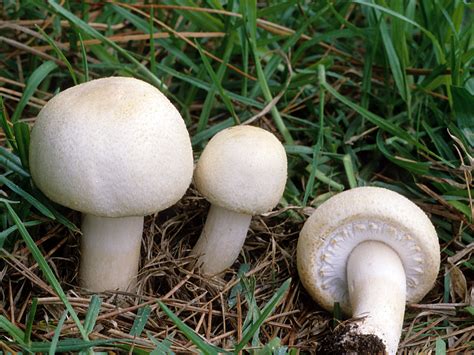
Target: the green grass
(363, 93)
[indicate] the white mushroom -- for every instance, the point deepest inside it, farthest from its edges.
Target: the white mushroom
(242, 172)
(115, 149)
(372, 250)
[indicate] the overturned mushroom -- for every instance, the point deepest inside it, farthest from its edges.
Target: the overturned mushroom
(372, 250)
(242, 172)
(115, 149)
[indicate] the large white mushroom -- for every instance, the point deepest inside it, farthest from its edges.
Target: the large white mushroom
(115, 149)
(242, 172)
(372, 250)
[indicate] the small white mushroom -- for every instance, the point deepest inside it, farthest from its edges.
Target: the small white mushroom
(242, 172)
(372, 250)
(115, 149)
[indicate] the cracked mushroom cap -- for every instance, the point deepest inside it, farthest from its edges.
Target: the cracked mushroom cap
(243, 169)
(111, 147)
(357, 215)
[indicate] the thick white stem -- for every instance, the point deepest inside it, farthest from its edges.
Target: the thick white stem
(110, 252)
(377, 291)
(221, 239)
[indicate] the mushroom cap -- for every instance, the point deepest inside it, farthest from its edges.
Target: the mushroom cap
(243, 169)
(111, 147)
(357, 215)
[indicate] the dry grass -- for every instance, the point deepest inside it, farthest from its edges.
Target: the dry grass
(203, 303)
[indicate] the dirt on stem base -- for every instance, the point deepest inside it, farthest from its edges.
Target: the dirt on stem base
(345, 339)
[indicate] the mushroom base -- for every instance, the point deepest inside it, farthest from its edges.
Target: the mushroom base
(377, 290)
(221, 239)
(110, 253)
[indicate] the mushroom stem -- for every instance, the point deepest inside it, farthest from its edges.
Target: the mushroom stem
(377, 292)
(110, 252)
(221, 239)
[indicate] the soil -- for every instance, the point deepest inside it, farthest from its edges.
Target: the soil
(345, 340)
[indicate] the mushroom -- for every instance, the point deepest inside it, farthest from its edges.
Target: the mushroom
(115, 149)
(242, 172)
(372, 250)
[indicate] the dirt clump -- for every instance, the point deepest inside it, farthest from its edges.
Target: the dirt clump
(344, 339)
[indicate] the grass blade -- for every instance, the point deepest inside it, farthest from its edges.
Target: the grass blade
(413, 166)
(45, 268)
(470, 310)
(22, 139)
(266, 311)
(208, 103)
(382, 123)
(349, 169)
(438, 50)
(29, 321)
(275, 60)
(92, 314)
(6, 127)
(190, 334)
(464, 109)
(16, 333)
(440, 347)
(59, 53)
(73, 345)
(201, 19)
(5, 233)
(59, 216)
(398, 73)
(211, 131)
(322, 177)
(85, 65)
(205, 86)
(249, 12)
(97, 35)
(147, 27)
(162, 347)
(33, 201)
(140, 321)
(217, 84)
(317, 147)
(31, 85)
(57, 333)
(11, 162)
(152, 41)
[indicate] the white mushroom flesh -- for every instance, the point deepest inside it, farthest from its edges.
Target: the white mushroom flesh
(221, 239)
(110, 252)
(377, 289)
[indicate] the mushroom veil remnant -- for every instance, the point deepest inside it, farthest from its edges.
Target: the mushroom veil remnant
(242, 172)
(372, 250)
(115, 149)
